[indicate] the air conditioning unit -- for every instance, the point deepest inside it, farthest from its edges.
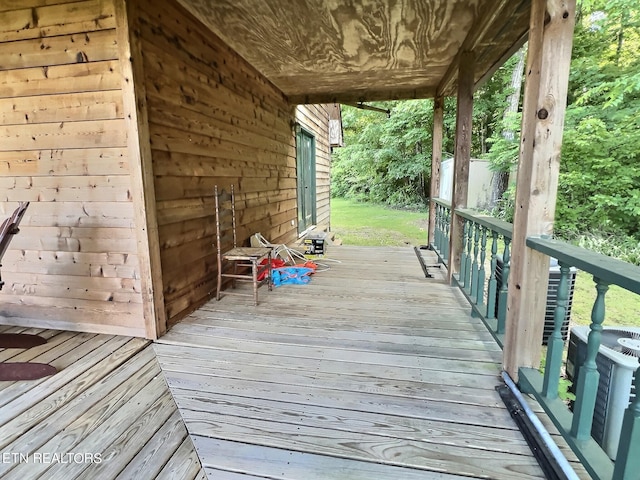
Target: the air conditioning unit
(617, 361)
(552, 297)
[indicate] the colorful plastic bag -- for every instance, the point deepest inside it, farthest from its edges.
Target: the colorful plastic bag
(291, 275)
(275, 263)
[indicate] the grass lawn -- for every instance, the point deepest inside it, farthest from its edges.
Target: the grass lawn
(621, 306)
(357, 223)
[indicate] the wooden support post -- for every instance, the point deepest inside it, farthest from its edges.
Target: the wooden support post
(464, 115)
(140, 162)
(436, 160)
(545, 98)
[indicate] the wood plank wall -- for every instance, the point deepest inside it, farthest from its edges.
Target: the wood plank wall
(213, 120)
(63, 146)
(63, 142)
(315, 119)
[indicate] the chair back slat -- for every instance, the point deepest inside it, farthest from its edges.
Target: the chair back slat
(4, 229)
(10, 227)
(226, 241)
(224, 196)
(225, 219)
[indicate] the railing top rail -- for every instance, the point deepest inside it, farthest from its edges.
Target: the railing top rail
(441, 201)
(607, 269)
(503, 228)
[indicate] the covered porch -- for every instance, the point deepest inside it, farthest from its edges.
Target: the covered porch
(199, 93)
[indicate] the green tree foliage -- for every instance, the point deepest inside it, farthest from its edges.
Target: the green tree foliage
(599, 186)
(503, 148)
(386, 159)
(489, 104)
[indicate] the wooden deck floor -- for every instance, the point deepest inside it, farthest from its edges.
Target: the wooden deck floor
(106, 414)
(369, 372)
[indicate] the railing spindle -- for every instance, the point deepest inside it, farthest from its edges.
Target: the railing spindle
(504, 288)
(474, 265)
(443, 239)
(589, 376)
(447, 226)
(481, 271)
(463, 255)
(442, 228)
(493, 283)
(438, 234)
(555, 344)
(434, 240)
(467, 268)
(627, 463)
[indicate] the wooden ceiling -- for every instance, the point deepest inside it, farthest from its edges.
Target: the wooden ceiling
(323, 51)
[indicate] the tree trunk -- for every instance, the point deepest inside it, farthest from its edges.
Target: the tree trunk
(501, 179)
(513, 100)
(623, 24)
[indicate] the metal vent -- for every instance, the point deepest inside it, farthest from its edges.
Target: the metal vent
(552, 298)
(615, 387)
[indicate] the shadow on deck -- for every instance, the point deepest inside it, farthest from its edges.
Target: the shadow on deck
(370, 371)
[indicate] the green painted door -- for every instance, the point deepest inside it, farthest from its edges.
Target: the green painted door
(306, 164)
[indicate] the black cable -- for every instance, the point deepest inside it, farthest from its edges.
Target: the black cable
(422, 264)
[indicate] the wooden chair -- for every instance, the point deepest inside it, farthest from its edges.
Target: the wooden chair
(237, 263)
(8, 229)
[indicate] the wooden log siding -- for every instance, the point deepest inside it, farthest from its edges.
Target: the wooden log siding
(213, 120)
(315, 119)
(63, 146)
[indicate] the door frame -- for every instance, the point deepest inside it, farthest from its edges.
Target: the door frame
(306, 180)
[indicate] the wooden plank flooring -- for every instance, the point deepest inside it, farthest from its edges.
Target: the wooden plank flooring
(370, 371)
(106, 414)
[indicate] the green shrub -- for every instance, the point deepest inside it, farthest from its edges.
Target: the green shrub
(623, 247)
(505, 208)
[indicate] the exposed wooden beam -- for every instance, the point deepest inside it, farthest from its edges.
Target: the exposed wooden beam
(475, 35)
(364, 106)
(545, 97)
(141, 168)
(462, 158)
(349, 97)
(436, 160)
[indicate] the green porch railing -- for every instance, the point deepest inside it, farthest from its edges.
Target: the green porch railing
(483, 278)
(442, 223)
(576, 427)
(485, 262)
